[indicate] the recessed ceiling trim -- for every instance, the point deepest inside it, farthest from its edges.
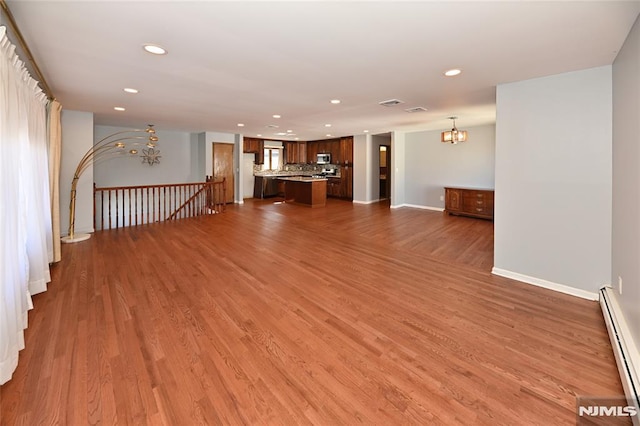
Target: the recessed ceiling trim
(391, 102)
(416, 109)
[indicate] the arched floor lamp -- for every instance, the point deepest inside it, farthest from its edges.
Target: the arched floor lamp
(110, 146)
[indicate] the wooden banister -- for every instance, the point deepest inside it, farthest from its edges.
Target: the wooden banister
(120, 206)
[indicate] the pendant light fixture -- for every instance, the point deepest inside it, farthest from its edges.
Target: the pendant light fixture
(454, 135)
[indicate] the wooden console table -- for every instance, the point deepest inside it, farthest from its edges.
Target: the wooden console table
(474, 202)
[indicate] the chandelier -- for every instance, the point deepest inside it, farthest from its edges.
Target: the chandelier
(454, 135)
(108, 147)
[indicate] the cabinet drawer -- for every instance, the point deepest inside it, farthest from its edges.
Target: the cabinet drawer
(478, 195)
(473, 203)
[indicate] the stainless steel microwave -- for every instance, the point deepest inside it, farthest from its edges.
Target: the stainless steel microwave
(324, 159)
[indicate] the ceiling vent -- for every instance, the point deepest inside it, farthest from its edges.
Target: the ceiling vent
(416, 109)
(391, 102)
(272, 126)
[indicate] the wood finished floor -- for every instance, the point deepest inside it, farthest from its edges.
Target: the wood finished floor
(281, 314)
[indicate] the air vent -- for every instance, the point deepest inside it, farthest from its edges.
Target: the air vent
(391, 102)
(272, 126)
(416, 109)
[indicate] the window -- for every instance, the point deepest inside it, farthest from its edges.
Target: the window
(272, 158)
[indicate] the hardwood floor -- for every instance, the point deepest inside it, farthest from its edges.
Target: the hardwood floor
(282, 314)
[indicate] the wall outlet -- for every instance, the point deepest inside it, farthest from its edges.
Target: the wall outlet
(442, 198)
(620, 285)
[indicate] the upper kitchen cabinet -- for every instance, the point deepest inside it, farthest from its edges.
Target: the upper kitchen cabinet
(312, 152)
(254, 146)
(290, 152)
(302, 152)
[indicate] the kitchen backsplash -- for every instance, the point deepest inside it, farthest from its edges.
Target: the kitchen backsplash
(293, 169)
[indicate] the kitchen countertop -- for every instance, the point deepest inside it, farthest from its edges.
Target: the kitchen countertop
(301, 178)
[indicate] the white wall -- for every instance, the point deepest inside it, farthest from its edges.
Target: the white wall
(77, 139)
(175, 162)
(626, 179)
(362, 169)
(398, 171)
(553, 181)
(433, 165)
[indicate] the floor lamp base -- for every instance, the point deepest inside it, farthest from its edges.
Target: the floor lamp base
(76, 238)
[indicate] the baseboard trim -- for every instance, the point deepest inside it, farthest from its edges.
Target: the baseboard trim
(624, 349)
(416, 206)
(545, 284)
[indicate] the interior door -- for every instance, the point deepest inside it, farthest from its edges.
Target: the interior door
(223, 166)
(385, 172)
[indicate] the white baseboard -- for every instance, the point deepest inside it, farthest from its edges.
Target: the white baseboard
(416, 206)
(545, 284)
(624, 348)
(365, 202)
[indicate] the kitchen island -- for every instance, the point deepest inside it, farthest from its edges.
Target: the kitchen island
(305, 190)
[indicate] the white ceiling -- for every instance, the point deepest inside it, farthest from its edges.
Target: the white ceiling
(241, 62)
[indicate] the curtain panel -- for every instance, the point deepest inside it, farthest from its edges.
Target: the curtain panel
(25, 214)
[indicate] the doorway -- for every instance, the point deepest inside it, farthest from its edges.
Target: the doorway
(384, 173)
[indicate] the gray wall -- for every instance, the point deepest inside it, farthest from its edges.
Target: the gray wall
(361, 168)
(398, 169)
(433, 165)
(77, 139)
(553, 180)
(175, 165)
(626, 179)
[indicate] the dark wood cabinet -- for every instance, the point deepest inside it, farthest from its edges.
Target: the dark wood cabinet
(346, 150)
(334, 187)
(254, 146)
(312, 152)
(302, 152)
(346, 174)
(290, 152)
(474, 202)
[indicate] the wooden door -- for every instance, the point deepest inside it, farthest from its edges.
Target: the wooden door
(223, 166)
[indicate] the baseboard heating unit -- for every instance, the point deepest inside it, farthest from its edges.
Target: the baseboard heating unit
(624, 349)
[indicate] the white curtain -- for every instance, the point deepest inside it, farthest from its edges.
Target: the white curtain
(25, 215)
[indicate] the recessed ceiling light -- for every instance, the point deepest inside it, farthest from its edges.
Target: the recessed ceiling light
(328, 135)
(327, 125)
(452, 72)
(335, 101)
(289, 131)
(365, 131)
(119, 108)
(297, 139)
(275, 116)
(240, 124)
(155, 49)
(130, 90)
(258, 134)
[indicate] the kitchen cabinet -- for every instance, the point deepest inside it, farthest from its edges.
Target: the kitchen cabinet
(254, 146)
(334, 187)
(223, 167)
(346, 177)
(473, 202)
(346, 150)
(302, 152)
(312, 152)
(290, 152)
